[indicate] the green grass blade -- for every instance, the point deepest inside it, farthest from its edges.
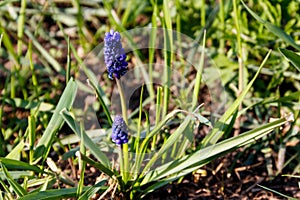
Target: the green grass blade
(87, 141)
(46, 55)
(3, 3)
(209, 153)
(199, 75)
(93, 190)
(19, 165)
(273, 29)
(21, 22)
(8, 45)
(25, 104)
(82, 163)
(99, 92)
(18, 189)
(16, 151)
(129, 10)
(152, 46)
(98, 166)
(56, 121)
(218, 130)
(17, 174)
(31, 136)
(292, 57)
(68, 62)
(283, 195)
(170, 141)
(168, 49)
(53, 194)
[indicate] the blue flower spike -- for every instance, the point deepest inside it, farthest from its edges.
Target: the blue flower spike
(119, 131)
(114, 55)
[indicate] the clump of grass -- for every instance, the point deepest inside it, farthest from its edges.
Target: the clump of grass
(39, 119)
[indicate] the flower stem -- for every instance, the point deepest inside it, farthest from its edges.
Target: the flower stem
(121, 160)
(124, 148)
(123, 102)
(126, 163)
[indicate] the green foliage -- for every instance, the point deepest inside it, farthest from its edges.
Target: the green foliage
(43, 48)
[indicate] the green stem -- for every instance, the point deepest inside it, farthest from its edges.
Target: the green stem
(203, 13)
(157, 115)
(222, 26)
(239, 47)
(124, 148)
(123, 101)
(21, 21)
(125, 163)
(121, 162)
(137, 140)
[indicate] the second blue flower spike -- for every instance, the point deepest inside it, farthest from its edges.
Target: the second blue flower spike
(119, 131)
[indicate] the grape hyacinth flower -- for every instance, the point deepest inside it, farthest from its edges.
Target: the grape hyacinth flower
(119, 131)
(114, 55)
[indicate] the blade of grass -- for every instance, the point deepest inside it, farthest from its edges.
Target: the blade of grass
(68, 62)
(33, 72)
(157, 113)
(203, 13)
(19, 165)
(93, 190)
(17, 174)
(170, 141)
(273, 29)
(25, 104)
(21, 22)
(6, 191)
(56, 121)
(218, 131)
(8, 45)
(292, 57)
(138, 135)
(204, 155)
(45, 54)
(98, 166)
(129, 8)
(241, 73)
(18, 189)
(168, 49)
(152, 45)
(82, 163)
(3, 3)
(15, 152)
(31, 137)
(87, 141)
(63, 193)
(274, 191)
(199, 75)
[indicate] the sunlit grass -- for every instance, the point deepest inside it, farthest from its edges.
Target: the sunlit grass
(44, 52)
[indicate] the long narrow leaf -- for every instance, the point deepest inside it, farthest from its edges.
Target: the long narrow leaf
(218, 130)
(292, 57)
(52, 194)
(206, 154)
(273, 29)
(92, 190)
(87, 141)
(11, 164)
(170, 141)
(15, 152)
(43, 51)
(56, 121)
(18, 189)
(274, 191)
